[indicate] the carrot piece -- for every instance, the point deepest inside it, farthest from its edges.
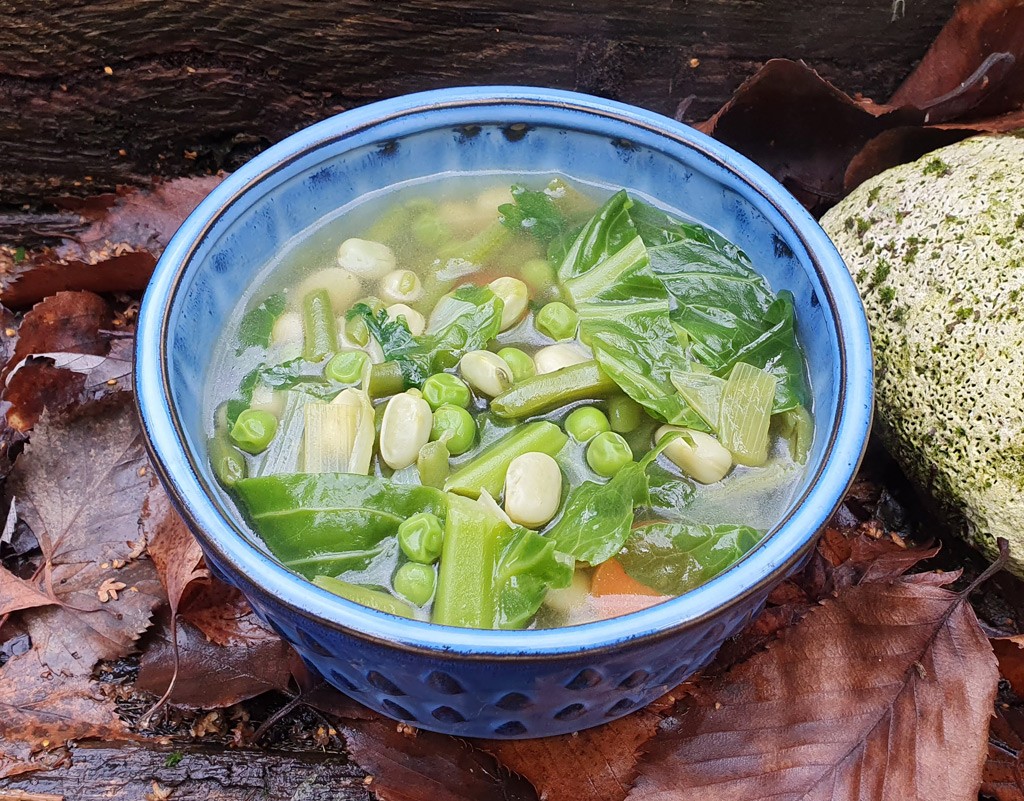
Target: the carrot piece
(610, 579)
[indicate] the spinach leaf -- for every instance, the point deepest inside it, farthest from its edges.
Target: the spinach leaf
(669, 494)
(528, 565)
(257, 324)
(464, 320)
(597, 517)
(325, 524)
(533, 212)
(673, 558)
(776, 352)
(298, 374)
(624, 313)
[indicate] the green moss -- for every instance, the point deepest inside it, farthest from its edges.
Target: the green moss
(873, 194)
(936, 167)
(882, 270)
(886, 295)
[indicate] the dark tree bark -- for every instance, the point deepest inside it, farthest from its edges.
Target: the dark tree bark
(115, 91)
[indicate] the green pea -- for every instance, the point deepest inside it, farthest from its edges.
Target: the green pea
(585, 423)
(347, 367)
(455, 427)
(608, 453)
(624, 414)
(556, 320)
(443, 389)
(420, 537)
(519, 363)
(415, 582)
(253, 430)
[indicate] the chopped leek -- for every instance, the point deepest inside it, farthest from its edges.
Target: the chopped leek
(338, 436)
(745, 413)
(703, 392)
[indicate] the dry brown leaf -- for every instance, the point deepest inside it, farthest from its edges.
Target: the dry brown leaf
(1003, 777)
(598, 763)
(1010, 653)
(221, 613)
(17, 594)
(115, 253)
(409, 765)
(174, 551)
(883, 693)
(212, 676)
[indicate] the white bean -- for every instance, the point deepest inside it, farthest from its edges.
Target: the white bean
(412, 317)
(514, 295)
(555, 357)
(404, 430)
(533, 489)
(287, 329)
(267, 399)
(401, 286)
(342, 288)
(365, 258)
(699, 455)
(486, 372)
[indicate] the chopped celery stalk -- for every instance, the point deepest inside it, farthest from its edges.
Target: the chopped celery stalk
(487, 470)
(375, 599)
(319, 327)
(703, 392)
(282, 456)
(465, 583)
(745, 414)
(796, 426)
(542, 393)
(338, 436)
(432, 464)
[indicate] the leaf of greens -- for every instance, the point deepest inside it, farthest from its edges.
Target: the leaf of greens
(674, 558)
(528, 565)
(464, 320)
(597, 517)
(257, 324)
(295, 374)
(533, 212)
(327, 523)
(669, 494)
(607, 232)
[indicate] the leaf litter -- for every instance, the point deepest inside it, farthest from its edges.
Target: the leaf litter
(863, 677)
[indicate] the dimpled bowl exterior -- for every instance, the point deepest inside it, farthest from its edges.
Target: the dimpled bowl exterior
(464, 681)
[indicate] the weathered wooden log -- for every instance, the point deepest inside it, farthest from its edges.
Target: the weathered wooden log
(114, 91)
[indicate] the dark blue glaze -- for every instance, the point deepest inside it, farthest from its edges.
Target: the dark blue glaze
(462, 681)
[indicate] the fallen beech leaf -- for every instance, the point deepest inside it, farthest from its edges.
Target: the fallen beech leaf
(1010, 653)
(1003, 776)
(978, 29)
(883, 693)
(212, 676)
(174, 551)
(16, 594)
(897, 146)
(221, 613)
(116, 253)
(597, 763)
(410, 765)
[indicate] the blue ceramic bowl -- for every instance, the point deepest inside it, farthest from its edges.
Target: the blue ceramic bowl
(463, 681)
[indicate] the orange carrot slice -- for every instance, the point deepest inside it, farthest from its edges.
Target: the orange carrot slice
(610, 579)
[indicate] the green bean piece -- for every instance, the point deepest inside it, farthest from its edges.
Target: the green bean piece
(347, 367)
(549, 391)
(430, 230)
(556, 320)
(319, 328)
(385, 379)
(253, 430)
(465, 582)
(586, 423)
(374, 599)
(487, 470)
(455, 427)
(415, 582)
(432, 464)
(624, 414)
(228, 463)
(421, 537)
(608, 453)
(443, 389)
(520, 363)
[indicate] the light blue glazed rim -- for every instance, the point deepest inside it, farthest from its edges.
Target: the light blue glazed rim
(778, 553)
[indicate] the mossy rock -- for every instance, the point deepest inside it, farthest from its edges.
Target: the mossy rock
(937, 251)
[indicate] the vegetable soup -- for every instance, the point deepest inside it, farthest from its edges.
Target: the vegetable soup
(499, 407)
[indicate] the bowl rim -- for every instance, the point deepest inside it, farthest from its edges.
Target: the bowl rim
(785, 547)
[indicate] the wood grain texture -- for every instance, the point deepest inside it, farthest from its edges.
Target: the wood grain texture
(98, 773)
(195, 85)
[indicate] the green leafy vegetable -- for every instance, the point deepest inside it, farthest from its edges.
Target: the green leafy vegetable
(256, 325)
(533, 212)
(327, 523)
(464, 320)
(528, 566)
(673, 558)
